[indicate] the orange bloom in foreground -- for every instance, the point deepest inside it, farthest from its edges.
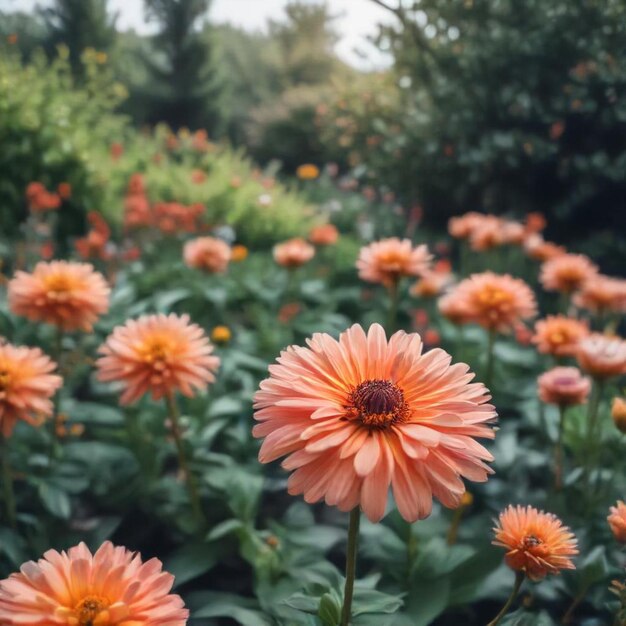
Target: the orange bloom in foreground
(293, 253)
(26, 386)
(602, 356)
(388, 260)
(361, 414)
(159, 354)
(559, 335)
(537, 543)
(566, 272)
(324, 235)
(494, 301)
(112, 587)
(617, 521)
(69, 295)
(564, 386)
(208, 254)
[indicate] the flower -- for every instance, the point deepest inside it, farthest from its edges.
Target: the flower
(564, 386)
(221, 334)
(324, 235)
(487, 233)
(601, 294)
(64, 190)
(388, 260)
(567, 272)
(160, 354)
(432, 283)
(535, 222)
(361, 414)
(208, 254)
(69, 295)
(40, 199)
(462, 227)
(288, 311)
(617, 521)
(293, 253)
(495, 301)
(618, 413)
(539, 250)
(238, 253)
(112, 587)
(559, 335)
(537, 543)
(454, 308)
(602, 356)
(307, 171)
(26, 386)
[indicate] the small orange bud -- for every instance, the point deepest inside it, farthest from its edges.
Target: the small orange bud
(221, 334)
(238, 253)
(618, 413)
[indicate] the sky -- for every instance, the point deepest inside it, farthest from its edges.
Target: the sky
(355, 20)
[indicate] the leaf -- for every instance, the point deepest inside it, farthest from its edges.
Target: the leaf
(372, 601)
(244, 611)
(55, 500)
(191, 561)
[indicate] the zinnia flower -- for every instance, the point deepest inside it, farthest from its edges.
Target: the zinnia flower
(602, 356)
(432, 283)
(208, 254)
(454, 308)
(324, 235)
(564, 386)
(602, 294)
(361, 414)
(159, 354)
(112, 587)
(617, 521)
(388, 260)
(559, 335)
(567, 272)
(488, 233)
(463, 226)
(69, 295)
(494, 301)
(293, 253)
(539, 250)
(26, 386)
(537, 543)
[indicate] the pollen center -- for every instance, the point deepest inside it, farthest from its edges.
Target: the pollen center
(377, 404)
(88, 609)
(531, 541)
(59, 287)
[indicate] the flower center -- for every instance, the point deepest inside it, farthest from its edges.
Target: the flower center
(88, 609)
(5, 381)
(491, 296)
(531, 541)
(58, 287)
(377, 404)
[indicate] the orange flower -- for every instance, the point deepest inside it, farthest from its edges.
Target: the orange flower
(537, 543)
(617, 521)
(324, 235)
(494, 301)
(116, 150)
(388, 260)
(602, 294)
(361, 414)
(564, 386)
(539, 250)
(221, 334)
(488, 233)
(535, 222)
(238, 253)
(454, 308)
(307, 171)
(432, 283)
(602, 356)
(69, 295)
(65, 190)
(618, 413)
(26, 386)
(462, 227)
(112, 587)
(158, 354)
(293, 253)
(567, 272)
(208, 254)
(288, 311)
(559, 335)
(40, 199)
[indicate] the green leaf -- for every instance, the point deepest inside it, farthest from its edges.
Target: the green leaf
(55, 500)
(242, 610)
(191, 561)
(329, 610)
(372, 601)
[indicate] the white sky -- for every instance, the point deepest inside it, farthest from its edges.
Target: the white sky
(356, 20)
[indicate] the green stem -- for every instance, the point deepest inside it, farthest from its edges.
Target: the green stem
(7, 479)
(519, 579)
(393, 306)
(56, 404)
(592, 419)
(558, 452)
(353, 537)
(182, 460)
(491, 342)
(567, 618)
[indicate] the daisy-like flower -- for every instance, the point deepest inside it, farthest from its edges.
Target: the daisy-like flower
(463, 226)
(617, 521)
(68, 295)
(602, 356)
(293, 253)
(488, 233)
(388, 260)
(559, 335)
(358, 415)
(112, 587)
(324, 235)
(602, 294)
(432, 283)
(26, 386)
(496, 302)
(567, 272)
(208, 254)
(454, 308)
(159, 354)
(537, 543)
(539, 250)
(564, 386)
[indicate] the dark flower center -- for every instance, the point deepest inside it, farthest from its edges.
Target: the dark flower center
(377, 404)
(531, 541)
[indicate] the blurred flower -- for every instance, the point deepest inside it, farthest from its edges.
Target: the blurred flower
(94, 244)
(307, 171)
(535, 222)
(602, 294)
(46, 250)
(64, 190)
(361, 414)
(454, 308)
(26, 386)
(159, 354)
(200, 141)
(602, 356)
(265, 200)
(432, 337)
(433, 282)
(618, 413)
(117, 150)
(488, 233)
(235, 182)
(75, 588)
(559, 335)
(293, 253)
(537, 543)
(539, 250)
(288, 311)
(69, 295)
(462, 227)
(617, 521)
(523, 335)
(40, 199)
(557, 129)
(567, 272)
(324, 235)
(12, 39)
(563, 386)
(221, 334)
(238, 253)
(198, 177)
(388, 260)
(208, 254)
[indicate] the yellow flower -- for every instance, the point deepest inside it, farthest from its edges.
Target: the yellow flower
(308, 171)
(221, 334)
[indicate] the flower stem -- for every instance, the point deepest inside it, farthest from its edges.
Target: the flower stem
(7, 479)
(182, 460)
(558, 452)
(519, 579)
(392, 320)
(353, 537)
(592, 418)
(491, 342)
